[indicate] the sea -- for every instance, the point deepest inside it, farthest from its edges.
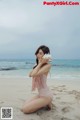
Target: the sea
(61, 68)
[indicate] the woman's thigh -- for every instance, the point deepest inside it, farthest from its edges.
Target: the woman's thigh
(31, 99)
(28, 101)
(36, 104)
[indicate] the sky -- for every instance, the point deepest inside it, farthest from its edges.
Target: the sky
(27, 24)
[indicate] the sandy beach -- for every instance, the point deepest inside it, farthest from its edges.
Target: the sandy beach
(14, 91)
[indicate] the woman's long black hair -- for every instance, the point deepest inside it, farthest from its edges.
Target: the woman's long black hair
(45, 50)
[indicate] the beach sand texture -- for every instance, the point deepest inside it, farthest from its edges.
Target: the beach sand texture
(14, 91)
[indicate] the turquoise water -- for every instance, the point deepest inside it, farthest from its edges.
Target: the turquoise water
(61, 69)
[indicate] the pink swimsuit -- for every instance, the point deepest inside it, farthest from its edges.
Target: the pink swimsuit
(39, 82)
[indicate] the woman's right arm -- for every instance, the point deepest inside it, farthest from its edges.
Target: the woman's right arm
(35, 70)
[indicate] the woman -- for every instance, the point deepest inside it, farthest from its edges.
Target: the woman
(39, 75)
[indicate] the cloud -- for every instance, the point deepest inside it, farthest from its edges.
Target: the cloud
(24, 25)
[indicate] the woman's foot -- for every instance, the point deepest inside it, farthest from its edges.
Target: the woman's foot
(49, 106)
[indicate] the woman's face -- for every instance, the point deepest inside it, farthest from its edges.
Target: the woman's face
(40, 54)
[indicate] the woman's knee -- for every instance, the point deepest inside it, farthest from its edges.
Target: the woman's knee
(25, 110)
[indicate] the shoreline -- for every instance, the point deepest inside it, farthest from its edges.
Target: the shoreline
(49, 77)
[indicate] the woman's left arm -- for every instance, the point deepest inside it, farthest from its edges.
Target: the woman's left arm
(39, 69)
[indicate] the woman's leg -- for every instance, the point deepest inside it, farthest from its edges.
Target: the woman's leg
(36, 104)
(29, 100)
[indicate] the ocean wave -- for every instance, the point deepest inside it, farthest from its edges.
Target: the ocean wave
(8, 68)
(65, 65)
(29, 63)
